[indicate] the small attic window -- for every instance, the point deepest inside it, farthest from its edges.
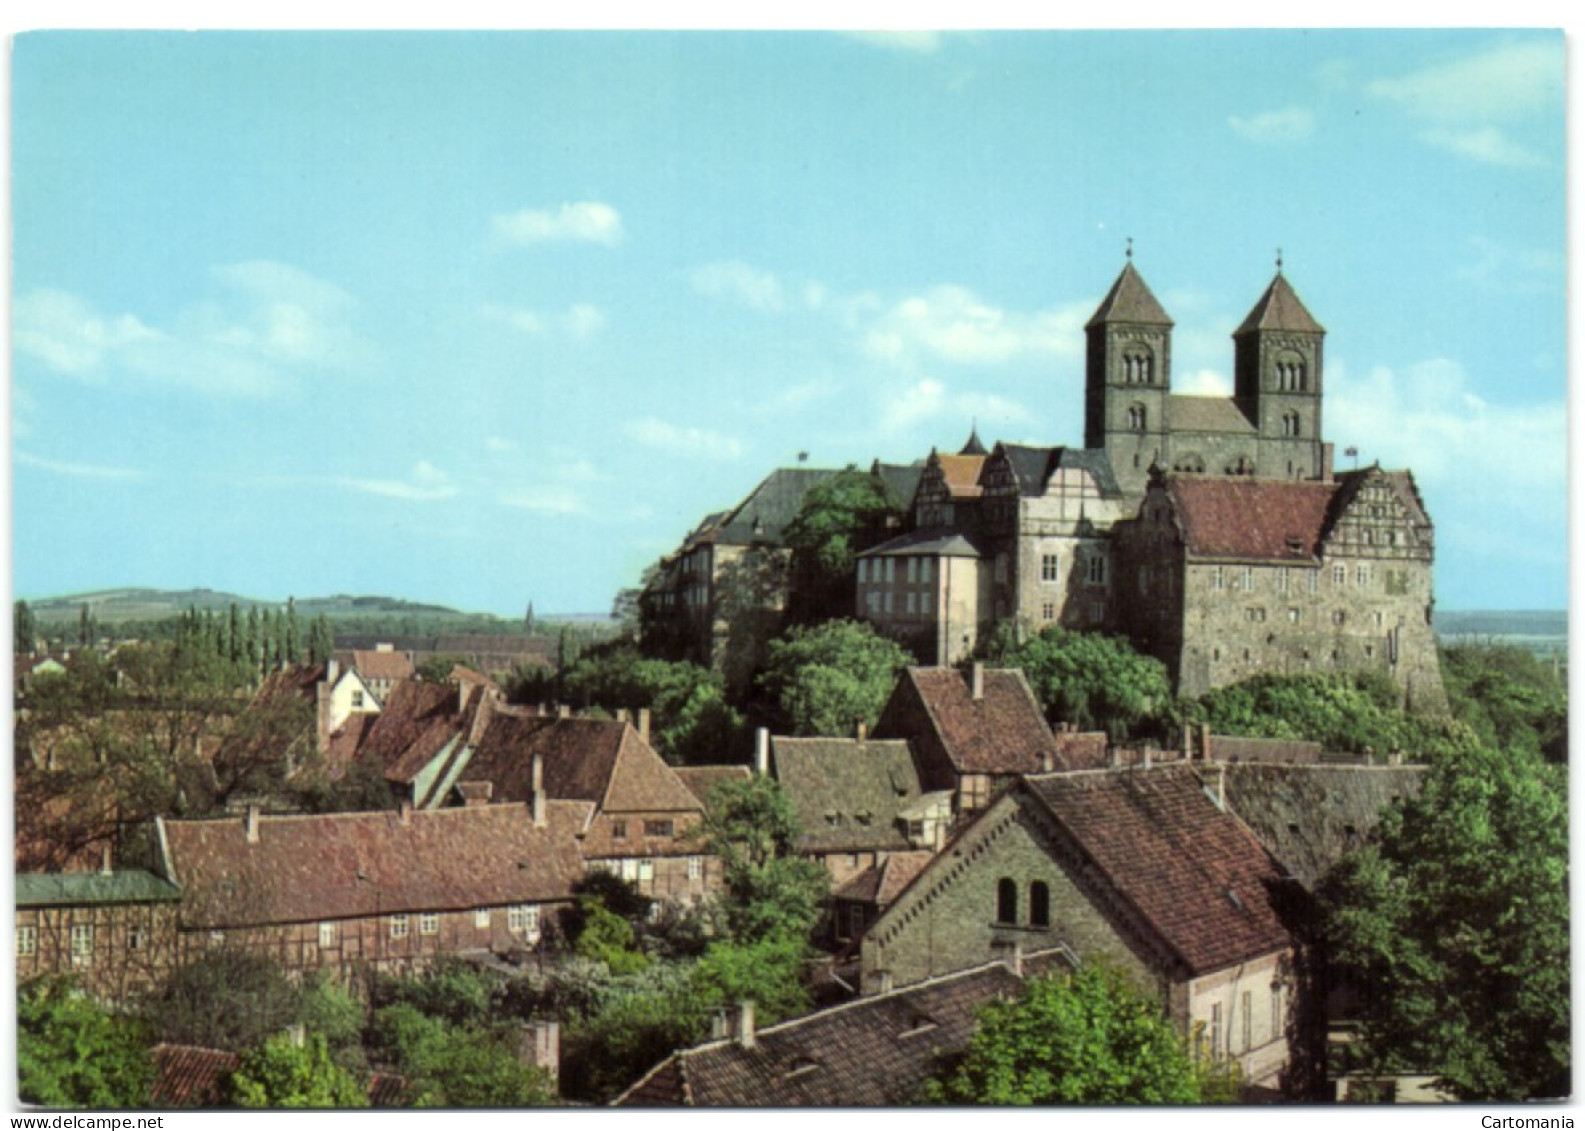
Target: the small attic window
(917, 1027)
(1293, 829)
(833, 817)
(1295, 544)
(1232, 897)
(802, 1066)
(864, 816)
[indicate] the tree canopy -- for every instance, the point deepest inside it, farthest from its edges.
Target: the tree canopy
(71, 1053)
(1454, 925)
(840, 517)
(281, 1073)
(1091, 680)
(690, 718)
(1089, 1037)
(827, 678)
(1508, 697)
(770, 890)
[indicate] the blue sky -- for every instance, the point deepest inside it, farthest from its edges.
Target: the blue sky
(484, 318)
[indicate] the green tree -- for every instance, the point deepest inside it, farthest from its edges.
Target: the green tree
(87, 630)
(321, 640)
(690, 718)
(454, 1065)
(1089, 1037)
(528, 620)
(24, 629)
(826, 678)
(769, 972)
(840, 517)
(1508, 697)
(224, 999)
(281, 1073)
(770, 891)
(1455, 927)
(437, 669)
(71, 1053)
(292, 634)
(607, 937)
(751, 591)
(1090, 680)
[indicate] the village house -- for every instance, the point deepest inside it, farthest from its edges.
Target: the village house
(971, 733)
(1142, 867)
(381, 667)
(877, 1051)
(114, 930)
(393, 890)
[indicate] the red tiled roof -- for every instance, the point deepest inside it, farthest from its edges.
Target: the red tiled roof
(381, 665)
(962, 475)
(345, 743)
(1002, 733)
(881, 883)
(188, 1076)
(1083, 750)
(1194, 873)
(342, 865)
(414, 724)
(701, 779)
(1251, 518)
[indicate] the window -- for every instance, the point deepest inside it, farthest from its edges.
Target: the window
(912, 601)
(1136, 418)
(872, 601)
(1246, 579)
(327, 935)
(1000, 568)
(864, 564)
(398, 926)
(1137, 368)
(913, 570)
(618, 830)
(1048, 611)
(357, 698)
(1097, 612)
(1039, 904)
(137, 939)
(925, 569)
(1095, 569)
(1293, 616)
(1290, 424)
(1362, 575)
(1216, 1028)
(891, 572)
(1339, 575)
(886, 598)
(1255, 615)
(1217, 579)
(82, 944)
(696, 867)
(1315, 581)
(1050, 567)
(1282, 581)
(27, 941)
(660, 828)
(216, 938)
(481, 917)
(1276, 1010)
(1339, 617)
(1006, 901)
(429, 923)
(630, 869)
(522, 920)
(1246, 1020)
(926, 604)
(646, 871)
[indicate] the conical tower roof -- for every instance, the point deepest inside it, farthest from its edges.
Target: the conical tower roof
(1129, 300)
(1280, 309)
(974, 447)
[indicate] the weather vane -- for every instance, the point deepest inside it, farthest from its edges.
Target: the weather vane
(1129, 252)
(1279, 261)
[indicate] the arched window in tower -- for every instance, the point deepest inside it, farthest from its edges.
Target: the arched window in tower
(1136, 417)
(1138, 366)
(1290, 424)
(1291, 375)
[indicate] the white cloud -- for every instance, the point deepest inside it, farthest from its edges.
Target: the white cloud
(1523, 270)
(499, 444)
(1275, 126)
(901, 410)
(754, 288)
(584, 222)
(950, 323)
(547, 498)
(1488, 144)
(584, 321)
(580, 321)
(919, 42)
(426, 483)
(266, 321)
(1507, 462)
(655, 433)
(1203, 383)
(77, 470)
(1505, 83)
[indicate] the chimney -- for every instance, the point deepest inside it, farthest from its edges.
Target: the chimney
(104, 860)
(746, 1037)
(863, 731)
(720, 1029)
(1145, 753)
(540, 1047)
(762, 752)
(1046, 763)
(563, 711)
(977, 681)
(252, 824)
(1206, 752)
(1221, 787)
(407, 811)
(332, 671)
(621, 714)
(1326, 462)
(537, 797)
(643, 723)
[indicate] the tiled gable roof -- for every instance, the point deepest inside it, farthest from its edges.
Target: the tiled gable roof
(846, 793)
(1279, 308)
(1188, 413)
(874, 1052)
(1278, 520)
(1033, 467)
(642, 781)
(417, 720)
(935, 541)
(341, 865)
(346, 742)
(1002, 733)
(881, 883)
(962, 475)
(1195, 875)
(294, 679)
(376, 664)
(188, 1076)
(1129, 300)
(700, 780)
(1308, 816)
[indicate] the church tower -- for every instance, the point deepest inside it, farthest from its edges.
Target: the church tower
(1127, 379)
(1277, 382)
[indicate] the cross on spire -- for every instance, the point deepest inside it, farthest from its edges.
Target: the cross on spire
(1128, 253)
(1279, 261)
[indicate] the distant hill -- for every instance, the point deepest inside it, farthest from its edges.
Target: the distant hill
(1542, 622)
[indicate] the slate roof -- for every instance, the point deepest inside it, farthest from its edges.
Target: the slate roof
(76, 889)
(1187, 413)
(846, 793)
(881, 883)
(763, 515)
(597, 760)
(1308, 816)
(1279, 308)
(901, 479)
(1195, 874)
(972, 446)
(936, 541)
(1003, 733)
(1033, 467)
(700, 780)
(306, 868)
(873, 1052)
(1129, 300)
(1224, 517)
